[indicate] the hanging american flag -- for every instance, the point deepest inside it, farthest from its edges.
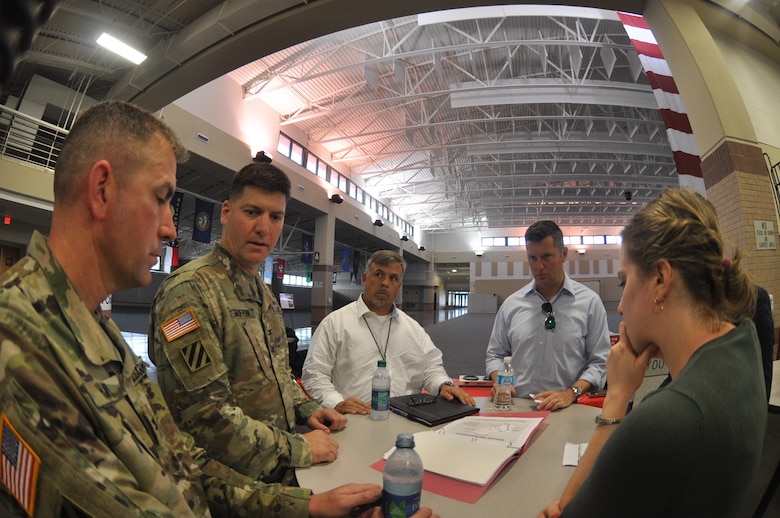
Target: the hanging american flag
(19, 467)
(678, 127)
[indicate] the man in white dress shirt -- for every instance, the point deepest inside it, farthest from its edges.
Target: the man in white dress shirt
(347, 344)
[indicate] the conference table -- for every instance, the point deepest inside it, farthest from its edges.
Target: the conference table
(522, 489)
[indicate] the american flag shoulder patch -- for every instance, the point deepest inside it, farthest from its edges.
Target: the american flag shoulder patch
(19, 467)
(180, 325)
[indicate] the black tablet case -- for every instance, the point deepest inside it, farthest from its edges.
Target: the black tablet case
(441, 411)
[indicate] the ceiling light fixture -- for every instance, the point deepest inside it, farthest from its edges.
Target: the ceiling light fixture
(121, 48)
(404, 238)
(378, 222)
(336, 198)
(421, 249)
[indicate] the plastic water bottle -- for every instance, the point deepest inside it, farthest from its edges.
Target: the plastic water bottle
(380, 392)
(402, 479)
(504, 385)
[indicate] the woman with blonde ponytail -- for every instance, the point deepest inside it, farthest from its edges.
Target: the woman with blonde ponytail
(692, 447)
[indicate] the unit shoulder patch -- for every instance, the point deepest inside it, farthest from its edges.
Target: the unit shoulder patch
(195, 356)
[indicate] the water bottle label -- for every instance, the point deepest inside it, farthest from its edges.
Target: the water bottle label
(379, 399)
(506, 380)
(395, 506)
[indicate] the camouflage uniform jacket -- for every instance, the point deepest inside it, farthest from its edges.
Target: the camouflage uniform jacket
(75, 397)
(219, 343)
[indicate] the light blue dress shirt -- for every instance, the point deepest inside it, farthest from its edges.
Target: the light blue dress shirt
(551, 359)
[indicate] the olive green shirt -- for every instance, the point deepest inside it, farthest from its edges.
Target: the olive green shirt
(218, 339)
(75, 397)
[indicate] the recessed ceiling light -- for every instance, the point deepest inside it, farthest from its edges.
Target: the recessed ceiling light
(121, 48)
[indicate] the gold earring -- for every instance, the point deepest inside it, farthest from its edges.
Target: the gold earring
(659, 305)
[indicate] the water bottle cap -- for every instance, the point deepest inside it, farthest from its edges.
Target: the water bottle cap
(507, 359)
(381, 363)
(404, 440)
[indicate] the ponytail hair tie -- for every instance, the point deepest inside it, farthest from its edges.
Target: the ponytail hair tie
(726, 263)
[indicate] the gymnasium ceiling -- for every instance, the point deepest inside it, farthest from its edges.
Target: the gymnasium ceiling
(457, 122)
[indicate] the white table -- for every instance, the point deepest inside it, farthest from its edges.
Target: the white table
(522, 490)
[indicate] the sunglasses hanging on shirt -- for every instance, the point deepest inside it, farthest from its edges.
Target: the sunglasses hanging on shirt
(549, 322)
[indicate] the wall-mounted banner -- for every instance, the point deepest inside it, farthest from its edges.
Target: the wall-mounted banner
(176, 201)
(280, 263)
(354, 275)
(345, 253)
(201, 228)
(268, 269)
(307, 246)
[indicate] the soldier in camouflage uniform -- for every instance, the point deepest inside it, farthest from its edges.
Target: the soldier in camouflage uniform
(218, 340)
(83, 429)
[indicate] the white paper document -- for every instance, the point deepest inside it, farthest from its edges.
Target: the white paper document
(473, 449)
(572, 453)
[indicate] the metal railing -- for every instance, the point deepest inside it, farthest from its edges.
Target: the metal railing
(29, 139)
(774, 177)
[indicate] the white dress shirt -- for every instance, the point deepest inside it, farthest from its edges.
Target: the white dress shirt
(343, 354)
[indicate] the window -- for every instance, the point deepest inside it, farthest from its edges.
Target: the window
(296, 153)
(284, 145)
(311, 163)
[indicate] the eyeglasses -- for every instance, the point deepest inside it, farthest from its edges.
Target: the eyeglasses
(549, 322)
(422, 400)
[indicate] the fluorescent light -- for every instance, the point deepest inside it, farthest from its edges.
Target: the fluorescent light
(121, 48)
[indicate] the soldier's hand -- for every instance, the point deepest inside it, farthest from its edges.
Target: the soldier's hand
(353, 406)
(347, 500)
(324, 448)
(326, 419)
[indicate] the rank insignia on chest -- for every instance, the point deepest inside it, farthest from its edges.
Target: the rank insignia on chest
(180, 325)
(19, 467)
(195, 356)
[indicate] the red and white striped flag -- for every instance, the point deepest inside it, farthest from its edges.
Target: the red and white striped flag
(180, 325)
(19, 467)
(678, 127)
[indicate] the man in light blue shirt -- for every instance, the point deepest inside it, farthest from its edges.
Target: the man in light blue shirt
(555, 329)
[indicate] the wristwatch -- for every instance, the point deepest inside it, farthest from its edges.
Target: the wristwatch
(601, 420)
(577, 391)
(451, 384)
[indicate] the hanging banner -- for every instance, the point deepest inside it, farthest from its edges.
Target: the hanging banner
(354, 275)
(345, 252)
(307, 246)
(268, 269)
(201, 229)
(280, 268)
(176, 202)
(678, 127)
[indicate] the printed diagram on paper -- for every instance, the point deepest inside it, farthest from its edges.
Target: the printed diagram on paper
(513, 432)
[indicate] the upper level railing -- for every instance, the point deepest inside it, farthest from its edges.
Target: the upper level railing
(29, 139)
